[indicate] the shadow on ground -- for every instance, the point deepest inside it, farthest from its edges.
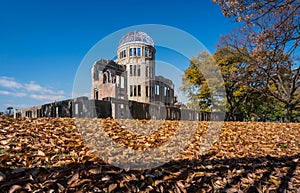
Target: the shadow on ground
(262, 174)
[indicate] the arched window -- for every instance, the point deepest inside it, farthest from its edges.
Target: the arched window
(138, 51)
(150, 54)
(138, 70)
(131, 52)
(134, 51)
(122, 54)
(146, 52)
(108, 76)
(104, 78)
(147, 71)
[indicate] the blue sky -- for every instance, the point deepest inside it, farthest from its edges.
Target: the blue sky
(42, 43)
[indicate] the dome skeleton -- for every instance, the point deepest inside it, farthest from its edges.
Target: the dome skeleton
(136, 37)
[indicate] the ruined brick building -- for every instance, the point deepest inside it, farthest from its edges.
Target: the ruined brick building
(132, 75)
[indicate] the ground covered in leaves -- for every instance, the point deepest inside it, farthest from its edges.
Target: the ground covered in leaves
(48, 155)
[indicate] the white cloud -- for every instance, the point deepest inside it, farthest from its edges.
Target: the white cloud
(31, 90)
(4, 92)
(9, 82)
(33, 87)
(16, 94)
(17, 106)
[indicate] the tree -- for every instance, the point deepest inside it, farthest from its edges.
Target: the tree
(9, 111)
(276, 76)
(274, 24)
(1, 113)
(283, 83)
(248, 91)
(232, 63)
(202, 84)
(272, 34)
(296, 113)
(260, 107)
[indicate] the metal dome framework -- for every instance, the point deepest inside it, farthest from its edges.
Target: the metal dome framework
(136, 37)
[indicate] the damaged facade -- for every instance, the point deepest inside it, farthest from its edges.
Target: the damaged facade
(124, 88)
(132, 75)
(111, 107)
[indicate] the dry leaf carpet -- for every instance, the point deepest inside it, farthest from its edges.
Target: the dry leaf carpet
(48, 155)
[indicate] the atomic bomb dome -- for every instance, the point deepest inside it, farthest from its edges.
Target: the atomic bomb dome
(136, 37)
(137, 81)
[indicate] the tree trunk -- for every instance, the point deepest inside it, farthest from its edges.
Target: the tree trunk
(230, 115)
(287, 113)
